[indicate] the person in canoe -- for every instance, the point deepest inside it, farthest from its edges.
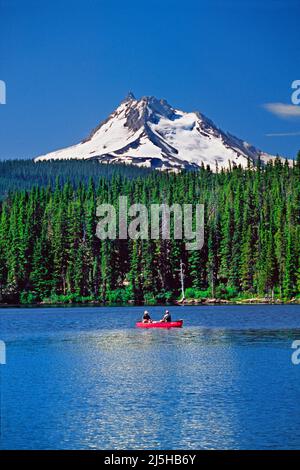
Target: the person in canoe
(146, 317)
(167, 317)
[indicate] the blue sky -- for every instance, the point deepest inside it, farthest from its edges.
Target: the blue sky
(67, 65)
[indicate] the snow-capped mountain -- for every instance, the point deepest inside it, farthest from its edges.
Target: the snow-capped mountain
(149, 132)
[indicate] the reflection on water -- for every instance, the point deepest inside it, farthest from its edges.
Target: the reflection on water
(76, 379)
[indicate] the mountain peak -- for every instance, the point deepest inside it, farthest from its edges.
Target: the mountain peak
(149, 132)
(130, 96)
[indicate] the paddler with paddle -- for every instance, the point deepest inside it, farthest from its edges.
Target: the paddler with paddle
(146, 317)
(167, 317)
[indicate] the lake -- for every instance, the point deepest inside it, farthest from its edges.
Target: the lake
(86, 378)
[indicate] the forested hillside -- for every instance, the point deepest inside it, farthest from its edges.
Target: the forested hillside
(49, 251)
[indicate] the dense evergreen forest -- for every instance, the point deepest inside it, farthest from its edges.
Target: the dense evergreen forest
(49, 251)
(23, 174)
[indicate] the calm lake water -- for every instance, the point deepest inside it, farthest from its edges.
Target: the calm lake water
(86, 378)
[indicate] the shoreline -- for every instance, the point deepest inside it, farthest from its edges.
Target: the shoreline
(185, 303)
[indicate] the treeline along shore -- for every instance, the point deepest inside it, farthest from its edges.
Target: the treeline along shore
(49, 251)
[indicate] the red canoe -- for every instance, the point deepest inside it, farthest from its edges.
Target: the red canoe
(160, 324)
